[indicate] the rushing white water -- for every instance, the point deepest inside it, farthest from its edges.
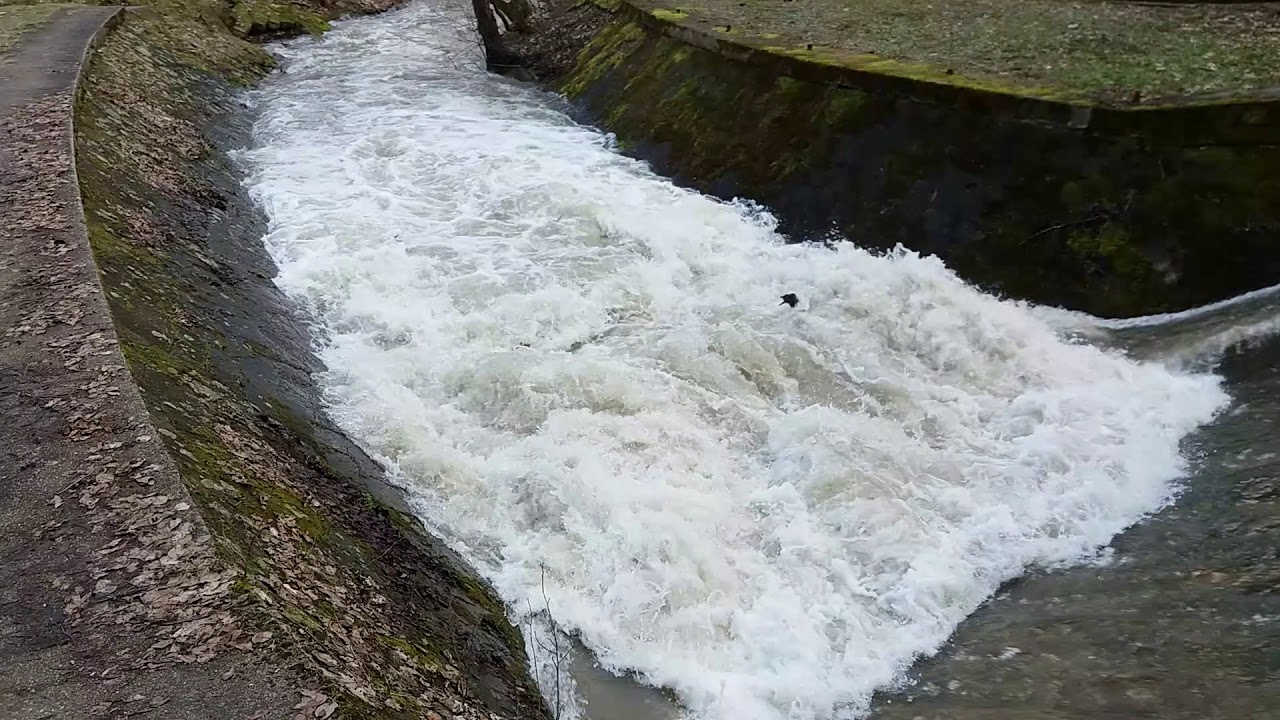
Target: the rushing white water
(1195, 338)
(585, 378)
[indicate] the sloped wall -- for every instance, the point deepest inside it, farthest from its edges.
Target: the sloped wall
(357, 596)
(1115, 211)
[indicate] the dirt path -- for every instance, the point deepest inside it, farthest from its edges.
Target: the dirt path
(112, 603)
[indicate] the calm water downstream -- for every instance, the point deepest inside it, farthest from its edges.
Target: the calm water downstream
(584, 378)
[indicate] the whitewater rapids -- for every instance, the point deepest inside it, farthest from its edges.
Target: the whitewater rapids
(584, 377)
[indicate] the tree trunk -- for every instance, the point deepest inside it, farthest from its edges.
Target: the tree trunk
(489, 34)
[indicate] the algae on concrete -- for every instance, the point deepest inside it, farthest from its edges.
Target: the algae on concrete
(1115, 51)
(1130, 211)
(254, 18)
(359, 597)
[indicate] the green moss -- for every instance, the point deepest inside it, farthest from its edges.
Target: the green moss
(406, 524)
(420, 651)
(1108, 243)
(304, 620)
(923, 73)
(1073, 195)
(151, 357)
(786, 87)
(193, 33)
(904, 170)
(669, 15)
(110, 250)
(606, 51)
(845, 105)
(268, 17)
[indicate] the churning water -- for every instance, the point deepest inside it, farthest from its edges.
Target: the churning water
(585, 379)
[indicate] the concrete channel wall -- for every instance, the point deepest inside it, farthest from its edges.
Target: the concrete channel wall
(184, 530)
(1035, 193)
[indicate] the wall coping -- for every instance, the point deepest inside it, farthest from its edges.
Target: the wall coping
(1209, 119)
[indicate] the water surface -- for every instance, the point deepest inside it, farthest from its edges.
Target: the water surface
(584, 377)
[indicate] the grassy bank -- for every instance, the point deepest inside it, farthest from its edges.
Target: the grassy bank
(213, 34)
(17, 20)
(1114, 51)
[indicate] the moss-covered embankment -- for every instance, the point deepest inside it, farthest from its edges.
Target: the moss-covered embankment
(1039, 193)
(350, 587)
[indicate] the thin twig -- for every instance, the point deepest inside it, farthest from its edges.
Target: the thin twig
(533, 637)
(1108, 216)
(556, 636)
(1064, 226)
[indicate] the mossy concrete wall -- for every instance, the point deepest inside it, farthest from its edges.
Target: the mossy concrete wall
(386, 617)
(1118, 211)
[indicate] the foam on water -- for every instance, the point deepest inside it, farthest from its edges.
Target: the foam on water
(585, 378)
(1191, 339)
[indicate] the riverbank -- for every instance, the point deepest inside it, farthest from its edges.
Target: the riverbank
(251, 560)
(1113, 52)
(1039, 193)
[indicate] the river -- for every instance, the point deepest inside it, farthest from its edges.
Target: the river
(584, 378)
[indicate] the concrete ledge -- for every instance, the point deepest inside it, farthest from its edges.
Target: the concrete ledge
(1118, 211)
(1199, 120)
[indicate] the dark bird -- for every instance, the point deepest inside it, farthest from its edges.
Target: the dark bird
(790, 299)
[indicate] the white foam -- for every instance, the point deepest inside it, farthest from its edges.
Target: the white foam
(1268, 294)
(1192, 339)
(584, 375)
